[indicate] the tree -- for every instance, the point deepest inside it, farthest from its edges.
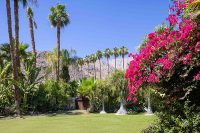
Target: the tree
(51, 60)
(102, 90)
(93, 59)
(30, 16)
(87, 61)
(86, 89)
(99, 55)
(80, 62)
(29, 80)
(16, 16)
(14, 62)
(123, 53)
(120, 83)
(68, 57)
(170, 61)
(58, 18)
(107, 54)
(116, 54)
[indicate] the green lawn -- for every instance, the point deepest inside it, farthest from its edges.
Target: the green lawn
(76, 123)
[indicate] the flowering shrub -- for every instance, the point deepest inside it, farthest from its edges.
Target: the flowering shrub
(170, 57)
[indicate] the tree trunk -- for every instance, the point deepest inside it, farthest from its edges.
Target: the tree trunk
(123, 62)
(95, 71)
(58, 51)
(88, 70)
(81, 71)
(16, 12)
(108, 66)
(14, 66)
(32, 38)
(115, 64)
(100, 67)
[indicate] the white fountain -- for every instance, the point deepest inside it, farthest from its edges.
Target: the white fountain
(148, 109)
(103, 108)
(122, 110)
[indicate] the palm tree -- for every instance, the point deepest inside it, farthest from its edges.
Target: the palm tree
(16, 14)
(14, 63)
(58, 18)
(107, 54)
(99, 55)
(87, 61)
(31, 23)
(123, 53)
(93, 59)
(51, 60)
(116, 54)
(80, 62)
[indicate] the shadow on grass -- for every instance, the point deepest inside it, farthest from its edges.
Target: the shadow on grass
(49, 114)
(76, 112)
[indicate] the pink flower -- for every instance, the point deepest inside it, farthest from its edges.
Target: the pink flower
(167, 63)
(151, 35)
(153, 78)
(186, 59)
(197, 76)
(172, 19)
(197, 47)
(198, 35)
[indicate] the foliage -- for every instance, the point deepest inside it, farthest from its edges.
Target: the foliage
(59, 14)
(29, 80)
(119, 83)
(166, 56)
(172, 121)
(169, 61)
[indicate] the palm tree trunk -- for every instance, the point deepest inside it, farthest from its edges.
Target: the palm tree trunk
(58, 50)
(16, 12)
(95, 71)
(88, 70)
(14, 66)
(32, 38)
(108, 66)
(81, 71)
(115, 64)
(100, 67)
(123, 62)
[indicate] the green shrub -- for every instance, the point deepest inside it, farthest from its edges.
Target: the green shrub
(177, 119)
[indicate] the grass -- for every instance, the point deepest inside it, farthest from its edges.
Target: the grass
(76, 122)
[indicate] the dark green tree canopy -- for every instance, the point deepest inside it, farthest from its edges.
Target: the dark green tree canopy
(59, 13)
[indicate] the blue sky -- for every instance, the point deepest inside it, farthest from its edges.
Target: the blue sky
(95, 24)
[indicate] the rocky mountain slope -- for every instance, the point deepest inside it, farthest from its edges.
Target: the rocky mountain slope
(75, 71)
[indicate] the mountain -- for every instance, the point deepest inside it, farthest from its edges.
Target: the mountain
(75, 72)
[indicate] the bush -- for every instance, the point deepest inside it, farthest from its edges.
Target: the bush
(177, 119)
(51, 96)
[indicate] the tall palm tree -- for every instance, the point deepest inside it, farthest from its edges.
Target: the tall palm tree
(123, 53)
(80, 62)
(30, 16)
(14, 63)
(107, 54)
(16, 14)
(58, 18)
(93, 59)
(99, 55)
(116, 54)
(87, 61)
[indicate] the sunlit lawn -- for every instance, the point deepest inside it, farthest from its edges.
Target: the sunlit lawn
(76, 123)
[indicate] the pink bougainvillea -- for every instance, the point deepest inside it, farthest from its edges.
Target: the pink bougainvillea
(163, 50)
(197, 76)
(172, 19)
(197, 47)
